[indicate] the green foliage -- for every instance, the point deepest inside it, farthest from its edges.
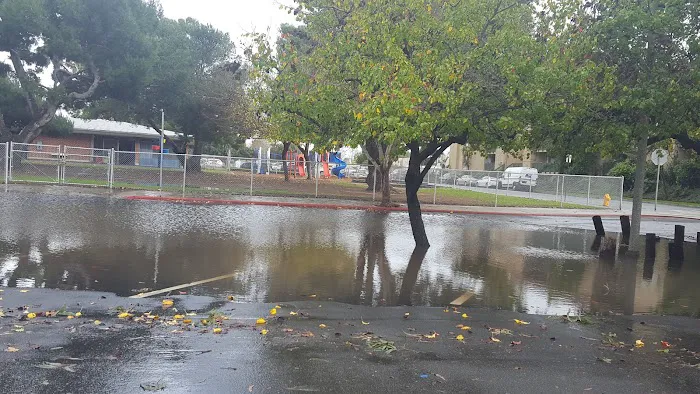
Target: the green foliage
(83, 44)
(626, 169)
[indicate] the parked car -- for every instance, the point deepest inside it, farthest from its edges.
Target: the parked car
(449, 177)
(518, 177)
(211, 163)
(246, 165)
(487, 181)
(466, 180)
(357, 172)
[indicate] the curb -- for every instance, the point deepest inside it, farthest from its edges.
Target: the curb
(375, 208)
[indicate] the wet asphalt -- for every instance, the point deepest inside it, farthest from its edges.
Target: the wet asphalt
(325, 347)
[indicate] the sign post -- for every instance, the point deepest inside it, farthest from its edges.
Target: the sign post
(658, 157)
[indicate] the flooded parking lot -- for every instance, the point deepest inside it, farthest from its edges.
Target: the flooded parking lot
(287, 254)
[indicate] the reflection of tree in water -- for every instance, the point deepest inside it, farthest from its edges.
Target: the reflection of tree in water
(300, 265)
(370, 258)
(681, 294)
(410, 277)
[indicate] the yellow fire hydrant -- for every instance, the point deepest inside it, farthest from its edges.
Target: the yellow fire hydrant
(606, 200)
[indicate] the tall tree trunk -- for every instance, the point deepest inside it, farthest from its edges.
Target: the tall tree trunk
(638, 192)
(305, 152)
(194, 164)
(379, 156)
(385, 185)
(413, 181)
(285, 168)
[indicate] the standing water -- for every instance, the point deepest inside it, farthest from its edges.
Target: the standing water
(286, 254)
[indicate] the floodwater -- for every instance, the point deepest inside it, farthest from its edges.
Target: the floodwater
(288, 254)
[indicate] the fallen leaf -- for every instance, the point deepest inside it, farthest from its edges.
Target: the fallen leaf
(605, 360)
(47, 313)
(445, 310)
(638, 343)
(515, 343)
(460, 337)
(662, 350)
(466, 328)
(187, 321)
(278, 307)
(307, 334)
(273, 311)
(495, 339)
(230, 298)
(464, 316)
(97, 322)
(665, 345)
(11, 349)
(168, 302)
(432, 335)
(312, 296)
(78, 314)
(264, 332)
(191, 314)
(24, 291)
(260, 321)
(125, 315)
(322, 325)
(406, 315)
(18, 329)
(250, 388)
(292, 313)
(521, 322)
(31, 315)
(364, 323)
(157, 386)
(70, 317)
(287, 330)
(217, 330)
(178, 317)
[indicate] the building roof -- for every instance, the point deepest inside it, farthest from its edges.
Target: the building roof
(116, 129)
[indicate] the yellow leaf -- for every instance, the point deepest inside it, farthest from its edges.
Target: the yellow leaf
(191, 314)
(178, 317)
(495, 339)
(71, 317)
(433, 335)
(11, 349)
(168, 302)
(24, 291)
(460, 325)
(278, 307)
(273, 311)
(445, 310)
(464, 316)
(364, 323)
(379, 111)
(187, 321)
(322, 325)
(204, 322)
(639, 343)
(460, 337)
(466, 328)
(260, 321)
(31, 315)
(78, 314)
(217, 330)
(313, 296)
(124, 315)
(97, 322)
(520, 322)
(264, 332)
(292, 313)
(230, 298)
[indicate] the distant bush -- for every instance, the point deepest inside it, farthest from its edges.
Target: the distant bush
(625, 169)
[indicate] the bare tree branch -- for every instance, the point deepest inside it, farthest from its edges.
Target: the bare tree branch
(91, 90)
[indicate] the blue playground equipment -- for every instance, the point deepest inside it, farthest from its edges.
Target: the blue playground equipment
(340, 165)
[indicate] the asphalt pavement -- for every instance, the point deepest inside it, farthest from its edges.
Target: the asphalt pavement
(321, 346)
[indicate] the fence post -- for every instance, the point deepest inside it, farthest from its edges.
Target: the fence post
(487, 185)
(228, 160)
(110, 172)
(12, 153)
(374, 183)
(317, 176)
(563, 194)
(160, 181)
(588, 200)
(252, 164)
(184, 176)
(622, 190)
(530, 193)
(556, 197)
(7, 164)
(435, 187)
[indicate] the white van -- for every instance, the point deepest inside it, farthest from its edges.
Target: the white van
(518, 177)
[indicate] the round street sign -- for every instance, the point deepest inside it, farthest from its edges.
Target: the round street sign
(659, 157)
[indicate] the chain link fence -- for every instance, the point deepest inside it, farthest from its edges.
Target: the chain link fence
(219, 176)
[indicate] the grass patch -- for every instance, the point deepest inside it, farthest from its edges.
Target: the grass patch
(474, 198)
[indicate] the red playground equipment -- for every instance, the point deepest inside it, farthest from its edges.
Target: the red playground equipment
(297, 163)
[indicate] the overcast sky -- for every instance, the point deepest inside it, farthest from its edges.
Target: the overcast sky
(236, 17)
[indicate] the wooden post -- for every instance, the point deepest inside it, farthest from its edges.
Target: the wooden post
(626, 229)
(598, 223)
(675, 249)
(651, 245)
(679, 235)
